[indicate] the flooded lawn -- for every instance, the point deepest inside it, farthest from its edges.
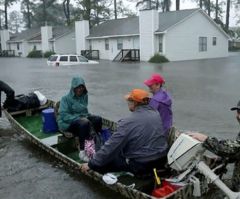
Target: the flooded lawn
(203, 92)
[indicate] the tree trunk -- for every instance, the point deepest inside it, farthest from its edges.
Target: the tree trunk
(6, 14)
(0, 20)
(209, 7)
(157, 4)
(167, 5)
(216, 11)
(177, 4)
(29, 23)
(44, 12)
(66, 10)
(200, 3)
(227, 15)
(115, 9)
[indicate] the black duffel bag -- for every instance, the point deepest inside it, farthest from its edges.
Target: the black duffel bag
(22, 102)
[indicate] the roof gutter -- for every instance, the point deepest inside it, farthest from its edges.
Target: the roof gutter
(35, 41)
(16, 41)
(159, 33)
(112, 36)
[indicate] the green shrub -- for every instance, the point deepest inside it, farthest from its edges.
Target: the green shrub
(157, 58)
(35, 54)
(47, 54)
(234, 48)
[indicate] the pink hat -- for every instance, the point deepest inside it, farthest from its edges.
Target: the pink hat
(155, 79)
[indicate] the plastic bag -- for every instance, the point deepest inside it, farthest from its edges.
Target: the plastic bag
(42, 99)
(89, 148)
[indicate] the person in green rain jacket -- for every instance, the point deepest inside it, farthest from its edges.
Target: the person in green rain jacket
(74, 116)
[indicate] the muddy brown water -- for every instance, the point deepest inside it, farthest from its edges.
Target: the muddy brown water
(203, 91)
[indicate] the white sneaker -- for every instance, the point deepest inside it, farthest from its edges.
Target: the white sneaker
(83, 156)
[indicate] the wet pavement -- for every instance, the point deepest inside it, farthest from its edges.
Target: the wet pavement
(203, 92)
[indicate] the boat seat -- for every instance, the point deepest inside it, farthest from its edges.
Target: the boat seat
(65, 134)
(51, 141)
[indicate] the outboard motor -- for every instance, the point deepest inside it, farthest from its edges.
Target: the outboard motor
(186, 155)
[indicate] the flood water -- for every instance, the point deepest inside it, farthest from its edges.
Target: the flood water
(203, 92)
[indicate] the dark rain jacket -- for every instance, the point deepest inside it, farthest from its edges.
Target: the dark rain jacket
(139, 137)
(230, 149)
(9, 94)
(71, 106)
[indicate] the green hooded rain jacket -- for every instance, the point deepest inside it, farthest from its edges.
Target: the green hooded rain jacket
(71, 106)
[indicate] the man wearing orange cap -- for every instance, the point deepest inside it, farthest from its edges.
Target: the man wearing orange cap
(161, 100)
(138, 145)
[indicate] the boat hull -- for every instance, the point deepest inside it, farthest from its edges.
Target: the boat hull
(184, 192)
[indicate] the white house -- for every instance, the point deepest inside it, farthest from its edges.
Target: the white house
(179, 35)
(57, 39)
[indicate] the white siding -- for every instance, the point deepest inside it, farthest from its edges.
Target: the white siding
(99, 44)
(31, 46)
(65, 44)
(4, 37)
(24, 48)
(13, 46)
(46, 34)
(131, 42)
(81, 32)
(148, 24)
(182, 41)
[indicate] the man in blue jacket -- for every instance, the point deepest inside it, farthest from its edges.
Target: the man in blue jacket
(74, 117)
(138, 145)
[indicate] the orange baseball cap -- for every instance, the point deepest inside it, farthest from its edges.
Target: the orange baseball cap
(137, 95)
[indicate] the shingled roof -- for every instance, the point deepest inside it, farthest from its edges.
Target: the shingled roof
(34, 34)
(168, 19)
(122, 26)
(130, 26)
(26, 34)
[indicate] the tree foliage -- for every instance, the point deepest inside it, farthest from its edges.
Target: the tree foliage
(47, 12)
(15, 21)
(6, 4)
(27, 7)
(36, 13)
(162, 5)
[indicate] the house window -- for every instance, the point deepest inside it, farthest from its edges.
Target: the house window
(73, 59)
(119, 44)
(106, 44)
(202, 44)
(214, 41)
(63, 58)
(160, 45)
(18, 46)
